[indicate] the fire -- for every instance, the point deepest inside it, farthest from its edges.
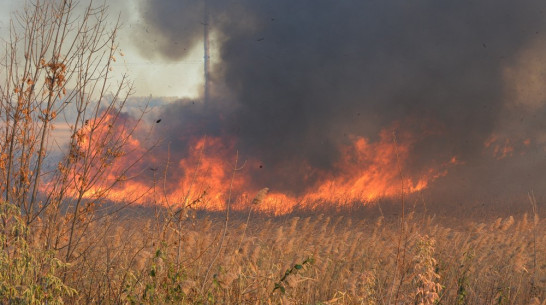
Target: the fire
(100, 155)
(208, 175)
(366, 173)
(502, 147)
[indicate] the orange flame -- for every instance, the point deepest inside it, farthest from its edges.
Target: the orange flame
(501, 147)
(205, 178)
(366, 173)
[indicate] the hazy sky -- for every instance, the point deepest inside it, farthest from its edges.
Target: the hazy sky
(152, 76)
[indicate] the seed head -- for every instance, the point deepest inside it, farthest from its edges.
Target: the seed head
(260, 196)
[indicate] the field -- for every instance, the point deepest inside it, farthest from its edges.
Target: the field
(110, 199)
(316, 259)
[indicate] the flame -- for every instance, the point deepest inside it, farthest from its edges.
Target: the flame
(207, 175)
(366, 173)
(99, 155)
(501, 147)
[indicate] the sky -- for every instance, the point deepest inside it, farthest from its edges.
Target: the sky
(294, 81)
(151, 75)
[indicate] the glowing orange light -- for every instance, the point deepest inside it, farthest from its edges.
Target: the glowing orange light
(366, 172)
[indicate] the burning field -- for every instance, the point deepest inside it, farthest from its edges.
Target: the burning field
(210, 170)
(330, 108)
(356, 152)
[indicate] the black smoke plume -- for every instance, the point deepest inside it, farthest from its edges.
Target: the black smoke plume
(295, 79)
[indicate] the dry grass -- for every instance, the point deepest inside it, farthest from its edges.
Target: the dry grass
(350, 262)
(59, 244)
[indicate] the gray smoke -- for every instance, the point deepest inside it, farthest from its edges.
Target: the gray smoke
(304, 75)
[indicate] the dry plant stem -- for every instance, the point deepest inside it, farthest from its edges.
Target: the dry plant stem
(160, 224)
(183, 208)
(180, 212)
(61, 32)
(228, 207)
(533, 202)
(165, 197)
(20, 100)
(28, 209)
(87, 172)
(244, 231)
(400, 261)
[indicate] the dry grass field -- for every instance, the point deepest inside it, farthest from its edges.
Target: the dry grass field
(63, 240)
(290, 260)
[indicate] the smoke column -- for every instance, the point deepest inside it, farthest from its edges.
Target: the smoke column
(297, 79)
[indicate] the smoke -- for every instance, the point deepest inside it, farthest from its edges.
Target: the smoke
(297, 79)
